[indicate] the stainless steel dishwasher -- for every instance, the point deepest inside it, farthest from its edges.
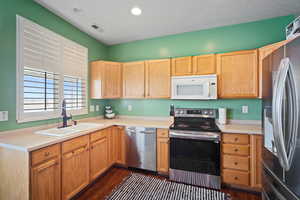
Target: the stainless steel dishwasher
(141, 148)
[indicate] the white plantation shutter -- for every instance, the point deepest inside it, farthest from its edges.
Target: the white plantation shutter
(47, 62)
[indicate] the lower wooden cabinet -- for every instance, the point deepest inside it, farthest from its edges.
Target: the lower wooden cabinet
(162, 151)
(46, 179)
(241, 160)
(99, 154)
(75, 166)
(119, 145)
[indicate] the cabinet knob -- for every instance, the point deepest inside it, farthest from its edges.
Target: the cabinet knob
(236, 150)
(46, 153)
(236, 178)
(236, 139)
(236, 163)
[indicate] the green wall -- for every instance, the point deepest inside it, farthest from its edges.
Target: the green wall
(31, 10)
(217, 40)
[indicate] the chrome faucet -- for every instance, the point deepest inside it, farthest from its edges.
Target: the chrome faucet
(64, 114)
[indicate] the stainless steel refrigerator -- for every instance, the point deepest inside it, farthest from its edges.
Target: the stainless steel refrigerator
(281, 102)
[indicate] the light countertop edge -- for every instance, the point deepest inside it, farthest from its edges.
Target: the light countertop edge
(14, 139)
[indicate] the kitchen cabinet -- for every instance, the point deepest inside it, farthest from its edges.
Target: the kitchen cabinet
(204, 64)
(119, 144)
(106, 80)
(256, 165)
(163, 151)
(238, 74)
(241, 160)
(98, 153)
(134, 80)
(263, 53)
(111, 146)
(182, 66)
(157, 78)
(75, 166)
(46, 174)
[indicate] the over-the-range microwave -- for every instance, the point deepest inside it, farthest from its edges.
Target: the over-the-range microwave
(194, 87)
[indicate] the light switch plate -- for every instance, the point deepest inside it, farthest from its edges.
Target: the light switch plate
(3, 116)
(245, 109)
(92, 108)
(97, 107)
(129, 107)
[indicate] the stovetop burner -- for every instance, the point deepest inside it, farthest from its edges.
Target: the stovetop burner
(192, 122)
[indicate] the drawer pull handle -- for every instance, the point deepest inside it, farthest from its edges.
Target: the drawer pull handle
(46, 153)
(236, 163)
(236, 139)
(236, 178)
(236, 150)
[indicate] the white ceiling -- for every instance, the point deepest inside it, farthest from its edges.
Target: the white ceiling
(163, 17)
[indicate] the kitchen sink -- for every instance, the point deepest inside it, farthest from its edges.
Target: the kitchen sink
(69, 130)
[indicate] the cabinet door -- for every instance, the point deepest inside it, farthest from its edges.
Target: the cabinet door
(205, 64)
(256, 165)
(182, 66)
(45, 180)
(158, 78)
(134, 80)
(119, 143)
(75, 171)
(96, 79)
(238, 74)
(98, 157)
(112, 80)
(111, 145)
(163, 155)
(263, 53)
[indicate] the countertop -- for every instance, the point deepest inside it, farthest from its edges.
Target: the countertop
(26, 139)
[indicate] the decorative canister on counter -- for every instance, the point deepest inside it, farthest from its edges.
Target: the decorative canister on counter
(222, 115)
(108, 113)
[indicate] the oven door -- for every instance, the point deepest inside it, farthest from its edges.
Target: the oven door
(200, 156)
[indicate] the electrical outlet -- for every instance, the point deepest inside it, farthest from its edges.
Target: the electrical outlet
(3, 116)
(129, 107)
(245, 109)
(92, 108)
(97, 108)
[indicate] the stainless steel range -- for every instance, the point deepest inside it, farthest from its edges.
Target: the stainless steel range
(195, 148)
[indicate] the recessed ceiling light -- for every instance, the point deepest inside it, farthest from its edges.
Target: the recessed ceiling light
(136, 11)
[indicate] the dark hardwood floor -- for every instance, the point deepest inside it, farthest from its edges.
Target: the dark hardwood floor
(105, 184)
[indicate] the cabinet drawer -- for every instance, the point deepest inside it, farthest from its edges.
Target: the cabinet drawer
(235, 177)
(236, 162)
(235, 138)
(44, 154)
(98, 135)
(75, 143)
(163, 133)
(236, 149)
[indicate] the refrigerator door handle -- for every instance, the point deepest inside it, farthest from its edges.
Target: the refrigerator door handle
(285, 77)
(277, 115)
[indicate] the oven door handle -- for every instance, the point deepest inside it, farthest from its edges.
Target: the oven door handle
(215, 138)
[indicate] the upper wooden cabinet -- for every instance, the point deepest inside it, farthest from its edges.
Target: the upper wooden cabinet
(134, 80)
(263, 53)
(238, 74)
(182, 66)
(157, 77)
(106, 80)
(204, 64)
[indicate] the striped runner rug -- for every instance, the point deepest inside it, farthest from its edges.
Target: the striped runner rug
(141, 187)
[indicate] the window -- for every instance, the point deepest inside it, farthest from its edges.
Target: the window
(74, 93)
(49, 69)
(40, 91)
